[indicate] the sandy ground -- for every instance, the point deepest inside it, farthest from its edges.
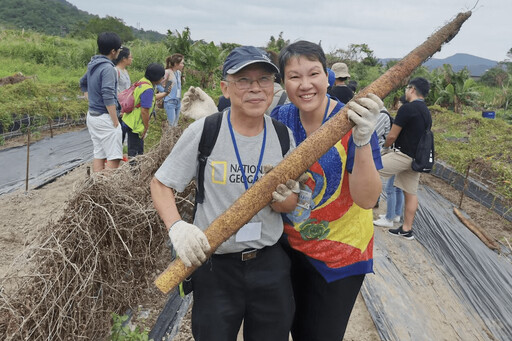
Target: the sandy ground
(22, 214)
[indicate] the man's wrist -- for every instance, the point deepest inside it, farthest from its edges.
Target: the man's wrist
(177, 221)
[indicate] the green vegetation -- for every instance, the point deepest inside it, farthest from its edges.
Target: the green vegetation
(120, 332)
(55, 65)
(480, 143)
(60, 18)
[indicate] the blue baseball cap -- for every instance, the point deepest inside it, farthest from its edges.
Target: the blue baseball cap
(243, 56)
(330, 77)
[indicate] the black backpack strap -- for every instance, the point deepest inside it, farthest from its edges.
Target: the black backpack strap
(283, 98)
(282, 134)
(208, 138)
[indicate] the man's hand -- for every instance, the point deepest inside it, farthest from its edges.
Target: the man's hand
(190, 243)
(364, 113)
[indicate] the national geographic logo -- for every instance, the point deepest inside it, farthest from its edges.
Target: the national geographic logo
(222, 173)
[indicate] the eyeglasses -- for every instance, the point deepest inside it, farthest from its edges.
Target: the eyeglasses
(245, 83)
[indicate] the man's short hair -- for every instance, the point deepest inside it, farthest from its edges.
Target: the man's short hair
(302, 48)
(154, 72)
(421, 85)
(108, 41)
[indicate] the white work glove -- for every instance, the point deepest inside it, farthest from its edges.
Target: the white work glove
(364, 114)
(190, 243)
(283, 191)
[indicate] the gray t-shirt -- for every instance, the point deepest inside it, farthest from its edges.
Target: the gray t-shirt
(123, 81)
(223, 182)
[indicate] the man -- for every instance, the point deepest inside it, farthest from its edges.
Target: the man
(248, 276)
(136, 123)
(412, 119)
(340, 90)
(99, 85)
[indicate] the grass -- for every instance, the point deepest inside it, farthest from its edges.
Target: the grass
(481, 143)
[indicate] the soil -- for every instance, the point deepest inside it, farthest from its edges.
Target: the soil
(23, 214)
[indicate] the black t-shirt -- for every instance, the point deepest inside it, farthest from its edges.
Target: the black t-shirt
(341, 92)
(414, 117)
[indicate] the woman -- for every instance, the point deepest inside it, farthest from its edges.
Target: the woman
(329, 236)
(173, 73)
(123, 60)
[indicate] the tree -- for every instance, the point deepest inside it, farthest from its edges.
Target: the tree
(360, 53)
(206, 58)
(495, 76)
(108, 24)
(278, 44)
(456, 89)
(179, 42)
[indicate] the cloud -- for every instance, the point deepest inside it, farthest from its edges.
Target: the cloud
(390, 28)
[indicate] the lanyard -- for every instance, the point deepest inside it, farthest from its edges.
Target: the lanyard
(326, 109)
(238, 154)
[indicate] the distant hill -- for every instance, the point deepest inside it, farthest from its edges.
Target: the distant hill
(476, 65)
(53, 17)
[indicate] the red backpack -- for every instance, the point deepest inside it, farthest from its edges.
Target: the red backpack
(127, 100)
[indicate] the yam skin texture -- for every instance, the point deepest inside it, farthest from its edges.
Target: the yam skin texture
(310, 150)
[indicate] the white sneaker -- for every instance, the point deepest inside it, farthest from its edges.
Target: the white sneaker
(383, 222)
(395, 219)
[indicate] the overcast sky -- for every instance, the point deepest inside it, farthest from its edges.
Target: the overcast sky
(390, 28)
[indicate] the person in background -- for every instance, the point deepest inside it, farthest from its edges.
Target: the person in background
(410, 122)
(280, 96)
(329, 235)
(174, 65)
(352, 84)
(223, 103)
(340, 90)
(394, 195)
(248, 277)
(136, 123)
(331, 78)
(123, 60)
(99, 85)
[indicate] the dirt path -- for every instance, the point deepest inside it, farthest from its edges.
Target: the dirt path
(23, 214)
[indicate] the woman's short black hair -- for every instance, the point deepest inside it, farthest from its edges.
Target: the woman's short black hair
(302, 48)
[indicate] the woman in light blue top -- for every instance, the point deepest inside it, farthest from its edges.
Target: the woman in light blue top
(172, 103)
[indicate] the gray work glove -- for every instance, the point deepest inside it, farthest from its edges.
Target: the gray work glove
(190, 243)
(364, 112)
(283, 191)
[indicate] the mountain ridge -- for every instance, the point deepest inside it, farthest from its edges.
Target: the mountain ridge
(477, 66)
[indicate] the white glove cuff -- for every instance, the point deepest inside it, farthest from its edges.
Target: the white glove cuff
(170, 227)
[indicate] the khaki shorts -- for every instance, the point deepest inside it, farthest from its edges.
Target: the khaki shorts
(106, 139)
(399, 164)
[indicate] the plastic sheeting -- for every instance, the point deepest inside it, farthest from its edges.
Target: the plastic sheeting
(49, 159)
(462, 290)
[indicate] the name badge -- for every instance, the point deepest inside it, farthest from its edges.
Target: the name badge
(249, 232)
(304, 199)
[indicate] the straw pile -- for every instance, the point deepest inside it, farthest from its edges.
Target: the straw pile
(100, 257)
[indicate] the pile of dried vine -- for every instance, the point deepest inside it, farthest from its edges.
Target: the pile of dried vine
(100, 257)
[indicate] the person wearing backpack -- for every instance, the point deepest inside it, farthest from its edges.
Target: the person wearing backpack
(410, 123)
(136, 122)
(248, 277)
(99, 85)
